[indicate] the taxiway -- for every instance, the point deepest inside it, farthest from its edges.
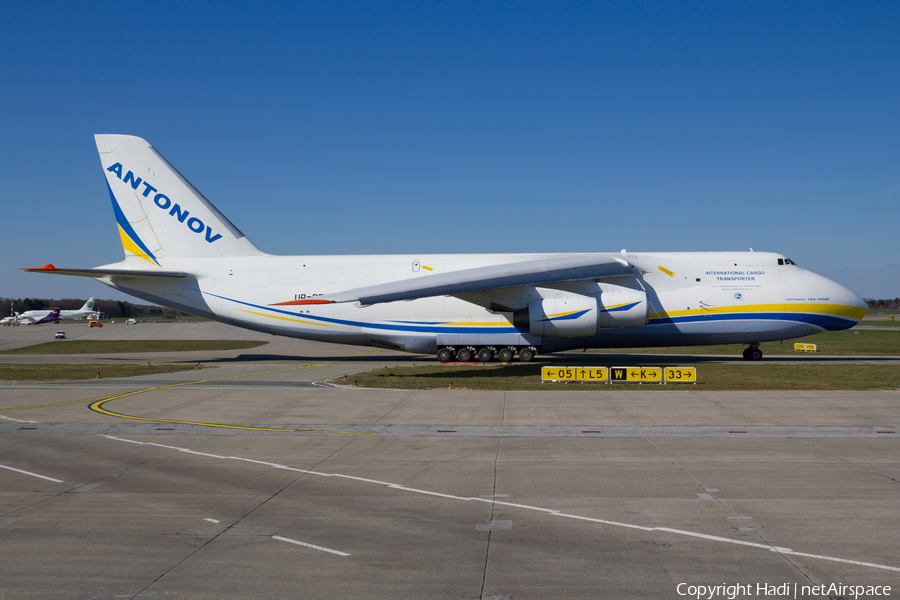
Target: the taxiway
(253, 480)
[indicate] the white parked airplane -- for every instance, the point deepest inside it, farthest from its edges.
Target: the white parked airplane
(8, 320)
(34, 317)
(180, 251)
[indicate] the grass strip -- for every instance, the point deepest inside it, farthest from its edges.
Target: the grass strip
(45, 372)
(127, 346)
(751, 376)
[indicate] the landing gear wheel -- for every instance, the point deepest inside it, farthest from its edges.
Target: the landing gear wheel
(444, 355)
(753, 353)
(505, 355)
(526, 355)
(484, 355)
(464, 355)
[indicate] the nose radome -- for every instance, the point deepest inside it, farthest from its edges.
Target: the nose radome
(843, 295)
(844, 298)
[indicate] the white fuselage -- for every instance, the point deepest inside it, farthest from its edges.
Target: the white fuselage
(30, 317)
(693, 298)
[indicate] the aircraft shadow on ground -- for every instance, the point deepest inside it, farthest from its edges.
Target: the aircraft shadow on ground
(368, 358)
(621, 360)
(573, 359)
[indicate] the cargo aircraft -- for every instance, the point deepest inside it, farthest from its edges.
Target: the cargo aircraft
(35, 317)
(181, 252)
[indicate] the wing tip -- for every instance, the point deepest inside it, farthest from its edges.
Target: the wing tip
(47, 267)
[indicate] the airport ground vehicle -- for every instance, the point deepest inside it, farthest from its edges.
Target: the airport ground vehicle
(60, 335)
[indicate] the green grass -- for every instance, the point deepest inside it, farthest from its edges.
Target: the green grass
(836, 343)
(127, 346)
(751, 376)
(884, 311)
(880, 319)
(69, 372)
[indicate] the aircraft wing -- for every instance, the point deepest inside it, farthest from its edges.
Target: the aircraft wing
(574, 267)
(110, 272)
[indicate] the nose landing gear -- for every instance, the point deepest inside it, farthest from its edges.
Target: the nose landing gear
(753, 352)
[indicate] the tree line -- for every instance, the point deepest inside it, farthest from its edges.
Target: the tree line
(114, 309)
(895, 303)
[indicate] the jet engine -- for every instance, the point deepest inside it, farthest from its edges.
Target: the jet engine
(575, 315)
(623, 308)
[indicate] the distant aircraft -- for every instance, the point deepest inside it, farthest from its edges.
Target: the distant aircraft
(8, 320)
(35, 317)
(180, 251)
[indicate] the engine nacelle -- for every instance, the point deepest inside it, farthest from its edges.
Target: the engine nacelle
(568, 316)
(626, 308)
(575, 315)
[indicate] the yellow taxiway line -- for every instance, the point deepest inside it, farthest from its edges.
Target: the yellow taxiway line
(97, 404)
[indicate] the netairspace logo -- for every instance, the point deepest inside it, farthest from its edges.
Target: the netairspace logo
(781, 590)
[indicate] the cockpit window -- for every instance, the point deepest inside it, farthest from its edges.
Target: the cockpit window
(780, 261)
(786, 261)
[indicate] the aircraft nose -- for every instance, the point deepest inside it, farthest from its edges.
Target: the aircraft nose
(860, 302)
(845, 296)
(843, 308)
(847, 304)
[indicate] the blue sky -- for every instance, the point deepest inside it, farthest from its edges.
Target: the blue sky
(375, 128)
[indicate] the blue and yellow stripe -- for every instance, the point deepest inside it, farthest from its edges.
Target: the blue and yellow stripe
(832, 317)
(131, 242)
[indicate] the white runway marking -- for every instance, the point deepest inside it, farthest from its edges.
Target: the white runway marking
(87, 335)
(32, 474)
(397, 486)
(314, 547)
(212, 520)
(16, 420)
(494, 526)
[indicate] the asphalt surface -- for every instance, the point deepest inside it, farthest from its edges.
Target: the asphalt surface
(256, 480)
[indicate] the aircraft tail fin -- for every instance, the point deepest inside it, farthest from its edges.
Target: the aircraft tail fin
(88, 306)
(159, 213)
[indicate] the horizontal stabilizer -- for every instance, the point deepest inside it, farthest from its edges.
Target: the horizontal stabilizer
(95, 273)
(575, 267)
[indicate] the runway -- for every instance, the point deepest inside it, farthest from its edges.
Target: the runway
(151, 487)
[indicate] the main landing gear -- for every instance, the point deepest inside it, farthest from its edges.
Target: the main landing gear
(486, 353)
(753, 353)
